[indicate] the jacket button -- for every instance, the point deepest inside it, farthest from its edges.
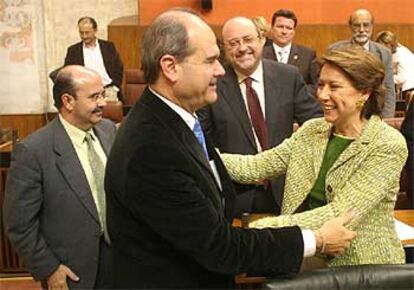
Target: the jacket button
(329, 188)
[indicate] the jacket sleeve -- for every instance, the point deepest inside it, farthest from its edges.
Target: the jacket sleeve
(22, 206)
(117, 67)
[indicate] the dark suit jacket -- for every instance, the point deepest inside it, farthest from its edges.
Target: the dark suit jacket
(49, 212)
(407, 129)
(228, 123)
(112, 60)
(165, 211)
(385, 56)
(304, 58)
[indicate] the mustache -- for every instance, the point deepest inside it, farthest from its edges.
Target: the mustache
(97, 110)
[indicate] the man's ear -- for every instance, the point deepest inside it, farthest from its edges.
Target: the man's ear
(169, 67)
(68, 101)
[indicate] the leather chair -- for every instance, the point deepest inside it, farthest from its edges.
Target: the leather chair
(348, 277)
(113, 111)
(134, 86)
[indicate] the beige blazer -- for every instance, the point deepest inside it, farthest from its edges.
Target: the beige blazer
(365, 177)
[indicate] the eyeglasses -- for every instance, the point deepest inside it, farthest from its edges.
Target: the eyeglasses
(96, 97)
(247, 40)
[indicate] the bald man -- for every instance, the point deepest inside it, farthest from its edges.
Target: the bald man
(283, 99)
(52, 209)
(169, 196)
(361, 24)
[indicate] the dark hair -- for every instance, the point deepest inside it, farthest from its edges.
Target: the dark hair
(166, 35)
(90, 20)
(364, 70)
(64, 83)
(284, 13)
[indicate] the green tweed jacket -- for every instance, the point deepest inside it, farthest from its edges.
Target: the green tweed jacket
(365, 177)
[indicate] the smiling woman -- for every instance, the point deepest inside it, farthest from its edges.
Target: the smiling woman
(332, 163)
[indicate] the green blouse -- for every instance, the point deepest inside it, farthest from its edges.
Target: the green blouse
(336, 145)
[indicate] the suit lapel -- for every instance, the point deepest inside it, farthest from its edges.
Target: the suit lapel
(269, 53)
(293, 55)
(105, 55)
(68, 163)
(320, 141)
(230, 91)
(271, 94)
(104, 139)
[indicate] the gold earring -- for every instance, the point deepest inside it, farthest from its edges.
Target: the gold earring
(360, 103)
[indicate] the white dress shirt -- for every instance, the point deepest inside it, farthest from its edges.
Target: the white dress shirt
(92, 58)
(285, 51)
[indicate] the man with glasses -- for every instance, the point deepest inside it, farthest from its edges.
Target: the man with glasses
(361, 23)
(54, 208)
(259, 100)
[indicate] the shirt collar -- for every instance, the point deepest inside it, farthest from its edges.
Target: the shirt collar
(75, 134)
(257, 75)
(278, 48)
(187, 117)
(91, 47)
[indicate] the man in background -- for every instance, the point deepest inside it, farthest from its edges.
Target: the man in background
(99, 55)
(259, 101)
(54, 208)
(283, 49)
(361, 24)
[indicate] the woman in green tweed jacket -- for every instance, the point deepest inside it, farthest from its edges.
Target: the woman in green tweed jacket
(350, 159)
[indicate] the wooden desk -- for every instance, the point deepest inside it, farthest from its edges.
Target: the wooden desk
(406, 216)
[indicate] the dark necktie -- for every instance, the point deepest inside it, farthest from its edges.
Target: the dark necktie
(198, 132)
(256, 115)
(98, 172)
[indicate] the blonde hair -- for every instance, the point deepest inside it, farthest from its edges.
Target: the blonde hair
(262, 26)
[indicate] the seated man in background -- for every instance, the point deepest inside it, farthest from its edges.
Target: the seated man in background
(54, 207)
(249, 117)
(283, 49)
(403, 64)
(99, 55)
(361, 23)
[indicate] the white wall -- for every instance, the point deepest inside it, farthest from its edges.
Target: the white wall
(34, 36)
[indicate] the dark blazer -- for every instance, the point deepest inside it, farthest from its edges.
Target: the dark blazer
(49, 212)
(112, 60)
(385, 56)
(407, 129)
(304, 58)
(165, 210)
(228, 123)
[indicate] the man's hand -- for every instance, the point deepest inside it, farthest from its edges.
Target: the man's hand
(57, 281)
(333, 238)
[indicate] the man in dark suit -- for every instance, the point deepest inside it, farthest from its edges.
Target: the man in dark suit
(283, 99)
(361, 24)
(283, 49)
(54, 205)
(167, 190)
(97, 54)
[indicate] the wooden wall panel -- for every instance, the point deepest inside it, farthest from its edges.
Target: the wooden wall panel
(25, 124)
(126, 33)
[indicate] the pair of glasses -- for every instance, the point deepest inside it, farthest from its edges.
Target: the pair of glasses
(97, 97)
(247, 40)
